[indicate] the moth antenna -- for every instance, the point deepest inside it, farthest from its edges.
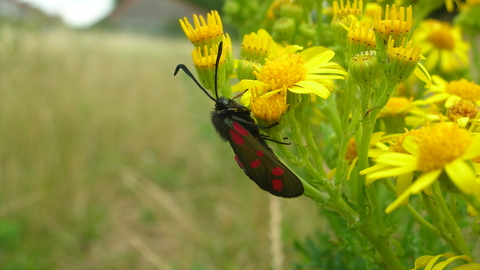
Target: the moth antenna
(185, 69)
(217, 61)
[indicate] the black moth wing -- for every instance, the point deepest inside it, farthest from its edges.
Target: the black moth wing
(260, 163)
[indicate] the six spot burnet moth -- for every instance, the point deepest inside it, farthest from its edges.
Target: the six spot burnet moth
(235, 124)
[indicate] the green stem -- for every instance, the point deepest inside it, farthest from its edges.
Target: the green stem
(416, 216)
(288, 155)
(311, 145)
(420, 220)
(333, 116)
(437, 219)
(382, 246)
(314, 194)
(296, 133)
(348, 129)
(450, 220)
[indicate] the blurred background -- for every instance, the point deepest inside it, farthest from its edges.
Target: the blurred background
(110, 162)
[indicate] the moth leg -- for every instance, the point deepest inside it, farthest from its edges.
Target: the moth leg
(275, 141)
(243, 121)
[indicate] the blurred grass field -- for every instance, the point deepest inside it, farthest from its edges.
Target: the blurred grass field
(110, 162)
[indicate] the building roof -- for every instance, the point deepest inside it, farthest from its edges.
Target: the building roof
(152, 16)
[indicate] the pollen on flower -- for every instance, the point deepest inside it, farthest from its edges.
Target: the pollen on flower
(464, 89)
(286, 70)
(442, 144)
(397, 144)
(269, 106)
(463, 108)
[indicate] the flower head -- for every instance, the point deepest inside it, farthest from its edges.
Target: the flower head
(266, 105)
(443, 45)
(463, 109)
(255, 49)
(441, 148)
(360, 38)
(397, 106)
(401, 61)
(344, 15)
(304, 73)
(204, 60)
(203, 32)
(397, 25)
(453, 91)
(347, 9)
(364, 67)
(206, 37)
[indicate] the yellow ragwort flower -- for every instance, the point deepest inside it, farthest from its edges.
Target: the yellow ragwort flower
(360, 38)
(206, 37)
(256, 46)
(344, 15)
(442, 45)
(441, 148)
(397, 24)
(401, 61)
(204, 61)
(308, 72)
(463, 109)
(267, 105)
(255, 49)
(397, 106)
(344, 10)
(453, 91)
(203, 32)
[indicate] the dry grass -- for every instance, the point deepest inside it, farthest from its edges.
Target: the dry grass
(110, 162)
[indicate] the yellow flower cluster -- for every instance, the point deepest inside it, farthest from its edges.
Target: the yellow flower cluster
(416, 134)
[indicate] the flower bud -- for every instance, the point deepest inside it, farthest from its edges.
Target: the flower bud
(364, 67)
(284, 30)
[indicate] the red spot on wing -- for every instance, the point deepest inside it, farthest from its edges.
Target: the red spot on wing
(240, 164)
(277, 184)
(277, 171)
(240, 129)
(236, 137)
(259, 153)
(254, 164)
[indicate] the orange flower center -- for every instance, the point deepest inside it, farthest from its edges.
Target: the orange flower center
(442, 38)
(464, 89)
(442, 144)
(285, 70)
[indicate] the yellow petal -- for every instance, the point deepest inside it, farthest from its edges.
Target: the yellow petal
(397, 159)
(424, 181)
(403, 182)
(394, 171)
(462, 175)
(319, 60)
(307, 87)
